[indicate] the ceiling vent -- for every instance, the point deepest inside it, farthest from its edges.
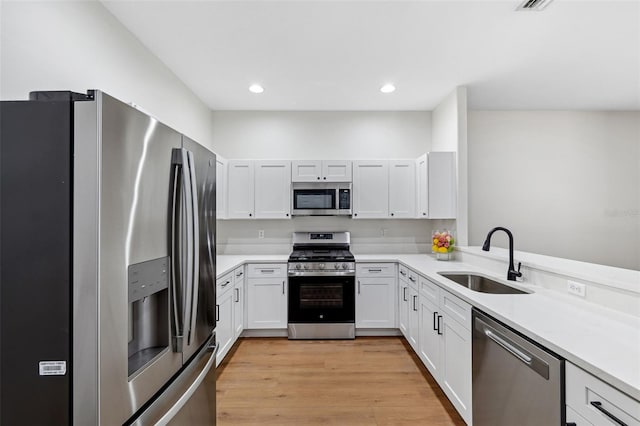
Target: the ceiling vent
(533, 5)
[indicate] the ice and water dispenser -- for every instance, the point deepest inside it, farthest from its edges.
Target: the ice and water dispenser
(149, 327)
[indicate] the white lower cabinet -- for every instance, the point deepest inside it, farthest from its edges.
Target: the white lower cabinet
(445, 343)
(229, 310)
(267, 296)
(375, 296)
(238, 302)
(224, 323)
(403, 302)
(590, 401)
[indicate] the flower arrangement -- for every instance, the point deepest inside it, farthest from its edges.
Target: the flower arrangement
(443, 242)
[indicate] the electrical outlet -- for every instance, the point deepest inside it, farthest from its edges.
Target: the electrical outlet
(576, 288)
(261, 233)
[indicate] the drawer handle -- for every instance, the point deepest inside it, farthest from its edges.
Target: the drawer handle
(404, 294)
(237, 295)
(598, 406)
(403, 273)
(239, 274)
(375, 270)
(412, 279)
(415, 308)
(267, 271)
(226, 283)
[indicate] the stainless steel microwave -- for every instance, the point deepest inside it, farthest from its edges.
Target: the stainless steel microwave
(321, 199)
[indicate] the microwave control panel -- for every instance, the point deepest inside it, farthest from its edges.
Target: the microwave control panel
(344, 201)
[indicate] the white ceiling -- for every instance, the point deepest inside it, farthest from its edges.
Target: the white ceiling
(335, 55)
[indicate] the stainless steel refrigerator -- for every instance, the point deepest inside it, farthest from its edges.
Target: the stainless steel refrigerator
(107, 266)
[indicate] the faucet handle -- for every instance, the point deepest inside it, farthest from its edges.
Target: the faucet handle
(518, 273)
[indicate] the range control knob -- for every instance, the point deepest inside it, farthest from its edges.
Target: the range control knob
(344, 266)
(321, 266)
(336, 266)
(298, 266)
(306, 266)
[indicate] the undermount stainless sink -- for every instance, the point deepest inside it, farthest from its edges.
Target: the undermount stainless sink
(481, 283)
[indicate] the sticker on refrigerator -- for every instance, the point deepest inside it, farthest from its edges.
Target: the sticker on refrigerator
(53, 368)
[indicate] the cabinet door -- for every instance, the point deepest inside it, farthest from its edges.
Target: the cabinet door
(370, 189)
(336, 171)
(403, 308)
(455, 360)
(224, 325)
(414, 319)
(306, 171)
(240, 189)
(375, 303)
(442, 185)
(221, 188)
(272, 189)
(402, 188)
(238, 303)
(429, 351)
(267, 303)
(422, 187)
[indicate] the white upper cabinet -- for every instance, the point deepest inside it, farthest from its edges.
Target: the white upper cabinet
(306, 171)
(422, 187)
(321, 171)
(336, 171)
(370, 189)
(402, 188)
(240, 189)
(272, 189)
(221, 188)
(441, 183)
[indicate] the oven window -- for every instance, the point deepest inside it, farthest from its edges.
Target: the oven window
(321, 296)
(317, 299)
(312, 199)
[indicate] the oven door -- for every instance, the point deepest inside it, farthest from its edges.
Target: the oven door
(322, 299)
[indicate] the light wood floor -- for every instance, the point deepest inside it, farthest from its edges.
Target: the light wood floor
(367, 381)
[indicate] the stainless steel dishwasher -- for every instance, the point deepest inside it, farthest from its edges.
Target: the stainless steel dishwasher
(515, 381)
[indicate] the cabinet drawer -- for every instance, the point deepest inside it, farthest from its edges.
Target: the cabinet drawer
(573, 417)
(238, 275)
(376, 269)
(266, 270)
(403, 273)
(429, 290)
(413, 279)
(455, 308)
(224, 283)
(597, 401)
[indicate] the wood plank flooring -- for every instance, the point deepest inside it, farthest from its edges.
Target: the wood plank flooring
(366, 381)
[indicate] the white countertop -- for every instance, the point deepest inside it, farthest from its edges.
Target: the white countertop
(600, 340)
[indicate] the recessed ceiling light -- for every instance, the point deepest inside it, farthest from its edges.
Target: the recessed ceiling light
(388, 88)
(256, 88)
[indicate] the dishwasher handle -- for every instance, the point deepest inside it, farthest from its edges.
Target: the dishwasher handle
(533, 362)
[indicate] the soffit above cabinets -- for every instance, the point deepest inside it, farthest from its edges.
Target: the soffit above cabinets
(335, 55)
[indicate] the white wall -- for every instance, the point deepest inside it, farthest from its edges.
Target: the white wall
(566, 183)
(60, 45)
(322, 135)
(449, 124)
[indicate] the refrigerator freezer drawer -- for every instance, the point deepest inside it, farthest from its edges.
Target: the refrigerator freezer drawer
(190, 398)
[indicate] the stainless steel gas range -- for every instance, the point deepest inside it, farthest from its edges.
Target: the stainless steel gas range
(322, 274)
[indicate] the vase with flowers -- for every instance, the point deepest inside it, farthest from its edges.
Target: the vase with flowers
(443, 243)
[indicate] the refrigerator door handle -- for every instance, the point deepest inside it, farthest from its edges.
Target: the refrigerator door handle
(170, 414)
(179, 274)
(195, 246)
